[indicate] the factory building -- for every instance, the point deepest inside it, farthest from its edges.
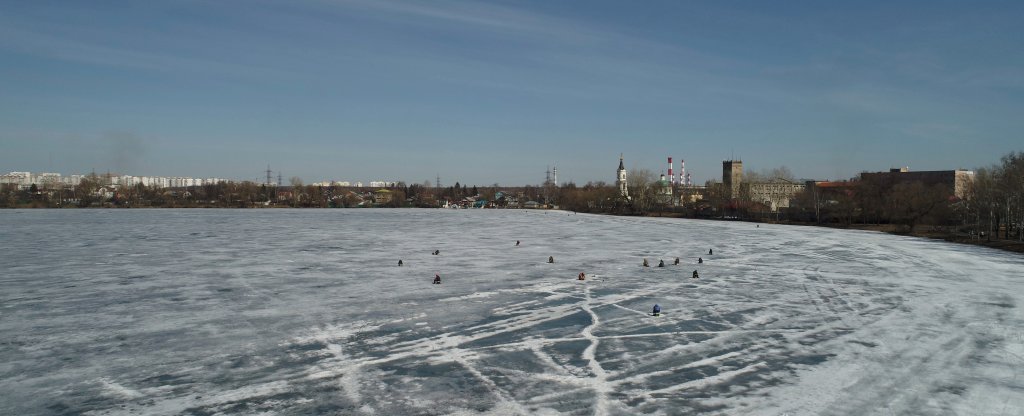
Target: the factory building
(775, 193)
(955, 181)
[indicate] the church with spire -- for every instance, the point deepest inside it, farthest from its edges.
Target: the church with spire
(620, 180)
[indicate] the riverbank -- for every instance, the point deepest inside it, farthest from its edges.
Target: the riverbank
(927, 232)
(922, 232)
(936, 234)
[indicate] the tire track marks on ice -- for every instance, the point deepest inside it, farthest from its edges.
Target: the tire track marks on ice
(600, 382)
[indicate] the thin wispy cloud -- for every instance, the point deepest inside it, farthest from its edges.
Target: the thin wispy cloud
(482, 16)
(73, 46)
(325, 84)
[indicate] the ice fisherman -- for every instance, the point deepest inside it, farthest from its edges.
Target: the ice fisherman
(695, 276)
(711, 251)
(677, 261)
(645, 263)
(661, 263)
(437, 279)
(399, 262)
(517, 243)
(581, 276)
(656, 311)
(700, 260)
(551, 259)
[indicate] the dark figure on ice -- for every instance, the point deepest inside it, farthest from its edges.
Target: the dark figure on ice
(711, 251)
(436, 252)
(581, 276)
(656, 311)
(700, 260)
(517, 243)
(677, 261)
(645, 263)
(399, 263)
(695, 275)
(551, 259)
(661, 263)
(437, 279)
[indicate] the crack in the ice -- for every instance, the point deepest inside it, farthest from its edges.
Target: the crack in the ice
(600, 382)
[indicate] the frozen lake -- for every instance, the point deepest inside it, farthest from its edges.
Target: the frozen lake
(306, 311)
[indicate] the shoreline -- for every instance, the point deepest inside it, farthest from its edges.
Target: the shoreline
(1012, 246)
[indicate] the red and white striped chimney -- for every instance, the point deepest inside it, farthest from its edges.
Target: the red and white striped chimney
(682, 172)
(671, 178)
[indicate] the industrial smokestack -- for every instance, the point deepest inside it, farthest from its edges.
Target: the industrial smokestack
(682, 172)
(670, 177)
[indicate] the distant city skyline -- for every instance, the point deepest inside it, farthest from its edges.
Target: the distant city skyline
(484, 93)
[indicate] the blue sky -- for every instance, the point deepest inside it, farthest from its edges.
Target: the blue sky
(494, 92)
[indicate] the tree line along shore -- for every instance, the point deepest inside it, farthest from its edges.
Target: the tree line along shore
(989, 212)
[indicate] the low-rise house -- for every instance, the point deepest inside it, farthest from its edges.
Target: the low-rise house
(382, 196)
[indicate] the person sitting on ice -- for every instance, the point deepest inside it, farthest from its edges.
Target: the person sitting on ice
(436, 252)
(656, 311)
(661, 263)
(399, 262)
(677, 261)
(695, 275)
(437, 279)
(700, 260)
(645, 263)
(517, 243)
(711, 251)
(581, 276)
(551, 259)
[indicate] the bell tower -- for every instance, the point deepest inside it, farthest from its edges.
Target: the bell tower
(620, 180)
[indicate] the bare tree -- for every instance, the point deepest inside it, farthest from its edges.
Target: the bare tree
(911, 202)
(86, 190)
(641, 189)
(297, 190)
(752, 176)
(1011, 184)
(717, 196)
(781, 173)
(397, 199)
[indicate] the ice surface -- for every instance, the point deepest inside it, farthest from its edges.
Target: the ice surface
(306, 311)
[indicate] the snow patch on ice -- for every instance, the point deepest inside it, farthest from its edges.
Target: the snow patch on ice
(111, 388)
(785, 319)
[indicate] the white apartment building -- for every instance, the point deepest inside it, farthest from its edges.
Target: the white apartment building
(333, 183)
(25, 180)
